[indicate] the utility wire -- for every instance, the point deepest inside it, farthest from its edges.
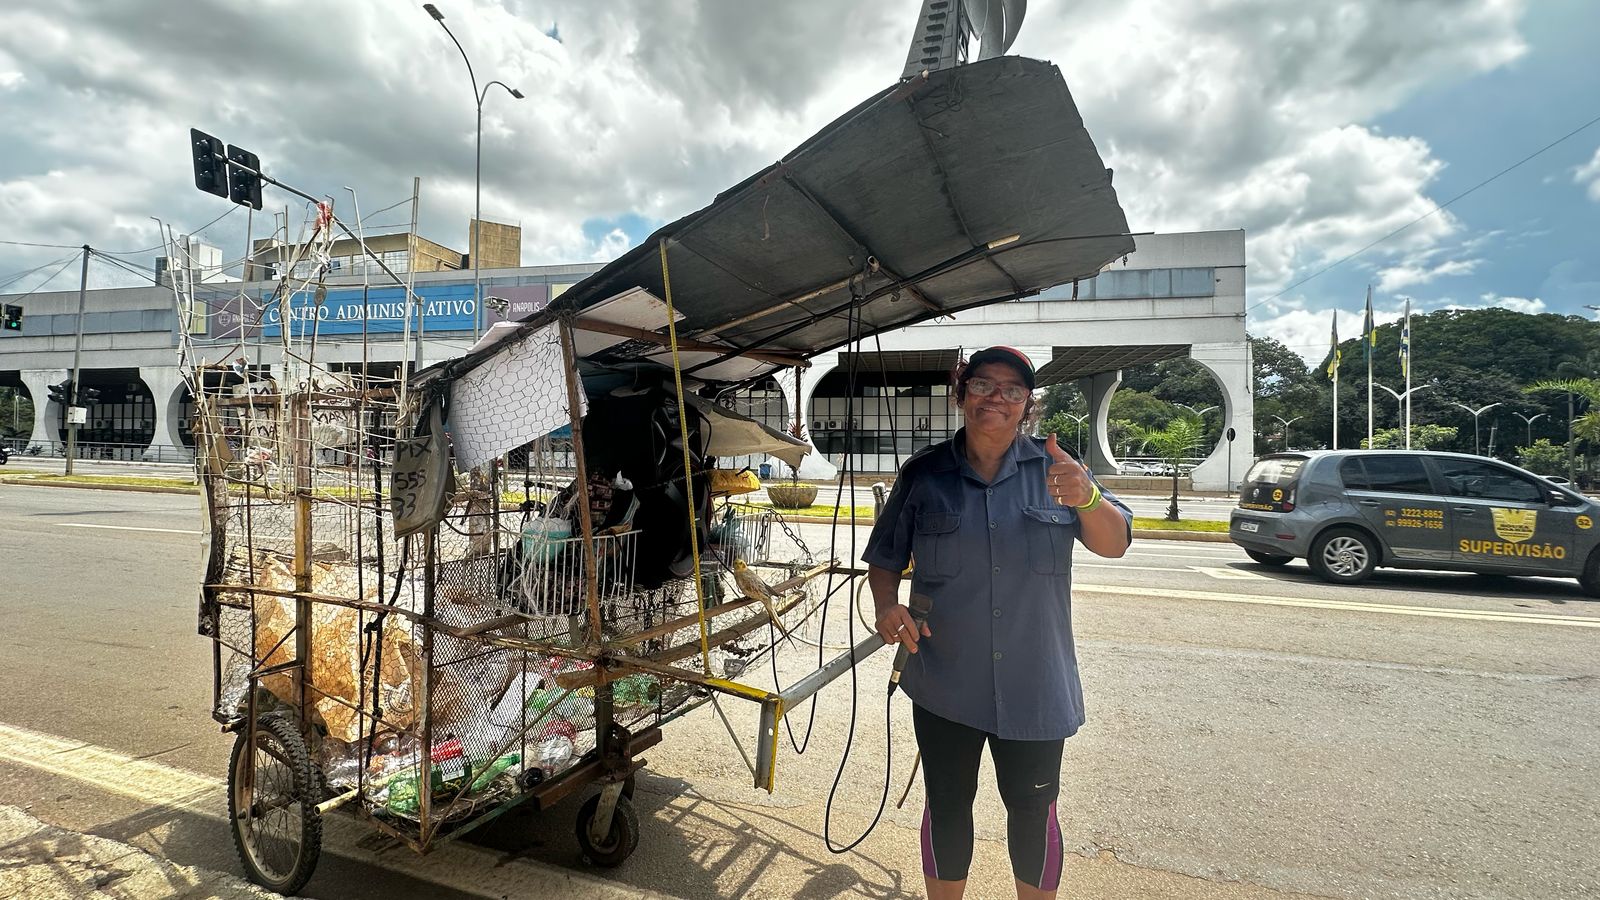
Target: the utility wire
(52, 246)
(12, 279)
(194, 231)
(62, 268)
(1437, 209)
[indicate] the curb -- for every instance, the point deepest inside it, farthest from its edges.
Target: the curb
(25, 481)
(1213, 537)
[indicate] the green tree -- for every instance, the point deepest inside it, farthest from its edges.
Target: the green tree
(16, 413)
(1543, 458)
(1423, 437)
(1059, 398)
(1171, 444)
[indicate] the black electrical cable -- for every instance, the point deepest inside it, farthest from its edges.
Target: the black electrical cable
(848, 471)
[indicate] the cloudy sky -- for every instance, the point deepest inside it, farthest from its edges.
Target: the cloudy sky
(1318, 128)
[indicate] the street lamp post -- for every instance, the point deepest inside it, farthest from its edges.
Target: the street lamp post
(1475, 414)
(1286, 423)
(1199, 413)
(478, 97)
(1079, 431)
(1400, 398)
(1529, 420)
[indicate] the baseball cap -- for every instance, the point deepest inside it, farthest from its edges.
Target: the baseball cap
(1008, 355)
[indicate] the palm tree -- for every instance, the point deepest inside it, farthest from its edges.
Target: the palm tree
(1585, 427)
(1172, 444)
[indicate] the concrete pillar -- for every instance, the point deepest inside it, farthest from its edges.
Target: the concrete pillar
(1229, 364)
(167, 389)
(46, 413)
(1097, 390)
(815, 467)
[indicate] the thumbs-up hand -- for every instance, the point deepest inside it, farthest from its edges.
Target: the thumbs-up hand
(1066, 480)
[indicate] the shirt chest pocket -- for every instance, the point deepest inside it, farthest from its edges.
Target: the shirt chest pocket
(1050, 532)
(936, 547)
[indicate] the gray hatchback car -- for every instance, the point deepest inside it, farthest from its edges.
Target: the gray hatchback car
(1346, 512)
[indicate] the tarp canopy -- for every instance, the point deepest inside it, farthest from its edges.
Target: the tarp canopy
(956, 189)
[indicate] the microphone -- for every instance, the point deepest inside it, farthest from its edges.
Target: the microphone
(920, 605)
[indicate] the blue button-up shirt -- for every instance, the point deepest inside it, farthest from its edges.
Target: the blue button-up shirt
(996, 560)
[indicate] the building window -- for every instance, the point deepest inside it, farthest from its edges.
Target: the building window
(1131, 284)
(885, 421)
(762, 402)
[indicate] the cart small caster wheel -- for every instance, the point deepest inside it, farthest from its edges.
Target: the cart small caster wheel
(273, 792)
(622, 840)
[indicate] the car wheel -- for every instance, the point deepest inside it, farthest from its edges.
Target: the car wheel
(1268, 559)
(1343, 556)
(1590, 579)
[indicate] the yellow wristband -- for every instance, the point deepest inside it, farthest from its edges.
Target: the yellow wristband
(1094, 500)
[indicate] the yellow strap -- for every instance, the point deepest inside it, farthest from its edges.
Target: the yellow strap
(688, 476)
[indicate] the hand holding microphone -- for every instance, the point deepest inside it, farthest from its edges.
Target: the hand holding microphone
(905, 626)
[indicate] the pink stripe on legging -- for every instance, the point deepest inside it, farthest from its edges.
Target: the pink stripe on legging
(1050, 878)
(930, 865)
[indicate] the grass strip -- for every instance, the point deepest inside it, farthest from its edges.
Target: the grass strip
(118, 480)
(1205, 525)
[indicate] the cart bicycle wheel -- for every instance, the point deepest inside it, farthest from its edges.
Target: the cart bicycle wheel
(272, 804)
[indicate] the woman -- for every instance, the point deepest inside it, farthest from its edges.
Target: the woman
(990, 516)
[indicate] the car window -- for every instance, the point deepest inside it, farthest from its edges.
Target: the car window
(1354, 475)
(1281, 470)
(1395, 475)
(1487, 481)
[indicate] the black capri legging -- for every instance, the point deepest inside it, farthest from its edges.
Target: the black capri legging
(1029, 774)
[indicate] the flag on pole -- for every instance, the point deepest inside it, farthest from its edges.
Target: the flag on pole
(1333, 364)
(1369, 332)
(1405, 343)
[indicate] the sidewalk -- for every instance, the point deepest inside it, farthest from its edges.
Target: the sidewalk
(42, 862)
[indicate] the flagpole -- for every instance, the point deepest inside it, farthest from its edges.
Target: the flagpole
(1333, 372)
(1367, 339)
(1405, 350)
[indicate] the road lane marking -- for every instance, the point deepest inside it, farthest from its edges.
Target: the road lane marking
(1124, 567)
(1346, 605)
(1226, 573)
(455, 865)
(1209, 557)
(125, 528)
(1221, 573)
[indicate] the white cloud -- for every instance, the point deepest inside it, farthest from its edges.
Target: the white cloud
(1224, 114)
(1252, 114)
(1588, 174)
(1530, 305)
(1408, 274)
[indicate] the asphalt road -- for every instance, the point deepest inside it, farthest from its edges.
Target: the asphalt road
(1252, 733)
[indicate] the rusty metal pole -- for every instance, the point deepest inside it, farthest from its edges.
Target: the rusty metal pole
(300, 430)
(575, 413)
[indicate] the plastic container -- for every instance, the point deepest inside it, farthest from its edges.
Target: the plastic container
(542, 538)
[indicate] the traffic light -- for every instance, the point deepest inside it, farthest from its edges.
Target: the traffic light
(88, 395)
(12, 318)
(61, 393)
(210, 171)
(244, 186)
